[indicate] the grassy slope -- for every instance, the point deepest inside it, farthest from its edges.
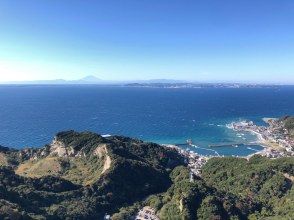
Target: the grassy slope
(3, 160)
(38, 168)
(83, 171)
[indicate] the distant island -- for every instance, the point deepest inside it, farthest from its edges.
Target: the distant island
(89, 176)
(196, 85)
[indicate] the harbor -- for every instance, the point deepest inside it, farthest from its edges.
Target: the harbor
(248, 145)
(276, 141)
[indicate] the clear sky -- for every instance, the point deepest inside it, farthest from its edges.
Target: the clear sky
(228, 40)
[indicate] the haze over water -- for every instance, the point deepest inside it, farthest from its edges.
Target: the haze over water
(32, 115)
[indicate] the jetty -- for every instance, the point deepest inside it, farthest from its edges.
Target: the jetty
(231, 144)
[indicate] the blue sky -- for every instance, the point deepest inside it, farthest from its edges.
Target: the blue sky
(248, 41)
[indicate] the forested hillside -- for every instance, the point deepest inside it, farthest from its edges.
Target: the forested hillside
(84, 176)
(289, 124)
(231, 188)
(51, 182)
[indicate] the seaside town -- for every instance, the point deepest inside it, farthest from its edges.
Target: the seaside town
(194, 161)
(274, 137)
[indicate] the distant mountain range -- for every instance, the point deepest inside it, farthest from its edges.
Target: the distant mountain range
(92, 80)
(85, 80)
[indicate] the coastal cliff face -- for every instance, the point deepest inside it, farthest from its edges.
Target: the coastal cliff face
(84, 176)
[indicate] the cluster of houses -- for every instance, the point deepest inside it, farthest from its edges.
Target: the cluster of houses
(146, 213)
(195, 164)
(271, 153)
(281, 136)
(194, 161)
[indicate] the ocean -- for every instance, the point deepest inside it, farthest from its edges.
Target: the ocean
(32, 115)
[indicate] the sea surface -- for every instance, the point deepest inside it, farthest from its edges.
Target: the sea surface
(32, 115)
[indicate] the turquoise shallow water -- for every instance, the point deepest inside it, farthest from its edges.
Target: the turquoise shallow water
(32, 115)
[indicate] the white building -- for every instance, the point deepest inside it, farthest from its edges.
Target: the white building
(147, 213)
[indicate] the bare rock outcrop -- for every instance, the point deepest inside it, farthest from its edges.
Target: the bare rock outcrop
(58, 148)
